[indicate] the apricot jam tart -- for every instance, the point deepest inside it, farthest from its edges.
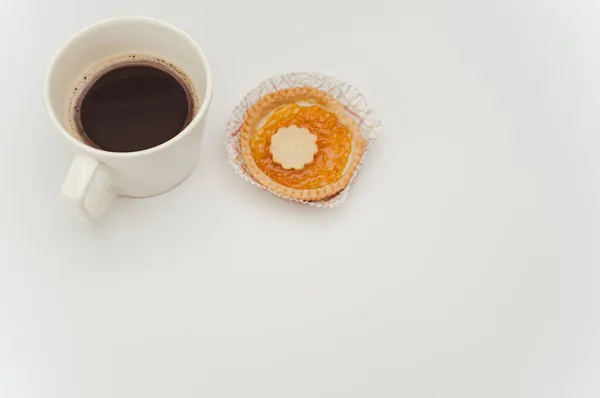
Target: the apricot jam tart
(301, 143)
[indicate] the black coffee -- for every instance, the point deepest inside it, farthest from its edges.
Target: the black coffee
(134, 107)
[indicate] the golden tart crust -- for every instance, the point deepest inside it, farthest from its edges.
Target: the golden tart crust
(271, 103)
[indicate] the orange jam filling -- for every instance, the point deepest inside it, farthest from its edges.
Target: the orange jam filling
(334, 144)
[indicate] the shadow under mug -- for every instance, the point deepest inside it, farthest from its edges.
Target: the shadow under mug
(97, 176)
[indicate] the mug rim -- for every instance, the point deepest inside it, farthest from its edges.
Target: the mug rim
(206, 99)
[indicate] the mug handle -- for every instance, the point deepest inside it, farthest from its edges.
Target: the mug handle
(89, 185)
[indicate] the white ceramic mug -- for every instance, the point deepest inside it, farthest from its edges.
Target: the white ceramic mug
(97, 176)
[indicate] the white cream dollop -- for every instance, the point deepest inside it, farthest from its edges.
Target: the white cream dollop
(293, 147)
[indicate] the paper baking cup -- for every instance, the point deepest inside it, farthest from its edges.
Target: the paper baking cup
(353, 101)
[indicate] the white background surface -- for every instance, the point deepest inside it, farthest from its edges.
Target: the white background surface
(465, 263)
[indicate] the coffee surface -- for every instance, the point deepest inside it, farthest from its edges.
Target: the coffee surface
(134, 107)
